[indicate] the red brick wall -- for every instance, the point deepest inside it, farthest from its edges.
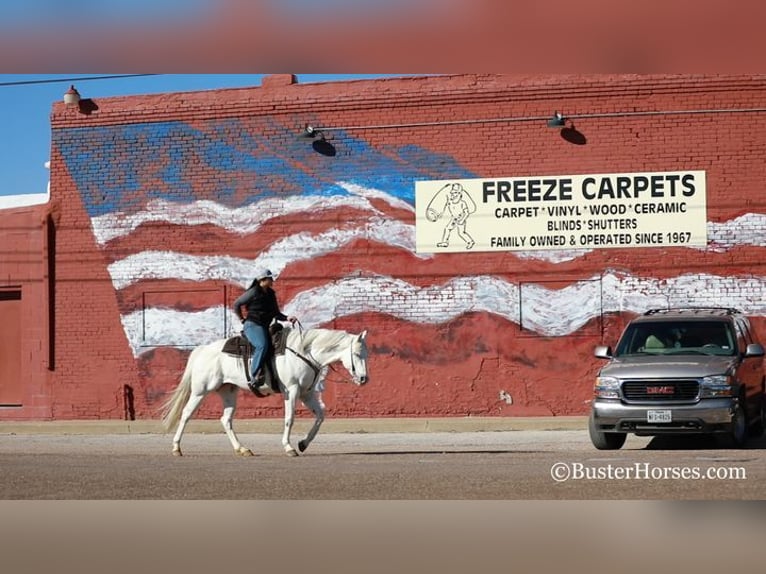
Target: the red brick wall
(457, 367)
(23, 267)
(93, 362)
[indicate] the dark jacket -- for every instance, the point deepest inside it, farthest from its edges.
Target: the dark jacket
(262, 306)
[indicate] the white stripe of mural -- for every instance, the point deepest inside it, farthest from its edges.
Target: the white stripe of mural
(298, 247)
(746, 230)
(547, 312)
(304, 246)
(238, 220)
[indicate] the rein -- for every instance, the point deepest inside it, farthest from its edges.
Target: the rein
(317, 370)
(307, 361)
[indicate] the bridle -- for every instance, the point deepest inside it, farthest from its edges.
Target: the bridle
(353, 367)
(331, 367)
(317, 369)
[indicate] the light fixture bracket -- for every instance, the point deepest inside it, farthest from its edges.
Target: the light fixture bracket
(557, 121)
(310, 132)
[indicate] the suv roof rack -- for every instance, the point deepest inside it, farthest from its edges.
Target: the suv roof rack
(695, 310)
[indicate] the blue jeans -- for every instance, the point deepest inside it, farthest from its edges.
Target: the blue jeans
(259, 339)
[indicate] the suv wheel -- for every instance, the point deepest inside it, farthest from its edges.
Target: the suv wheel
(736, 436)
(605, 440)
(757, 428)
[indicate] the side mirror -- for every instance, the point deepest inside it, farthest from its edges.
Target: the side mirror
(603, 352)
(754, 350)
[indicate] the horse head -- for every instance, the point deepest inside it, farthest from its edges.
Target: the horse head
(356, 363)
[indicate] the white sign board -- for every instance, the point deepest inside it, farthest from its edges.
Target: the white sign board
(661, 209)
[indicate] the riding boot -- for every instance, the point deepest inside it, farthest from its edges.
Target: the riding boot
(257, 381)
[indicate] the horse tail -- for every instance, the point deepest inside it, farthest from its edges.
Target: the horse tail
(172, 408)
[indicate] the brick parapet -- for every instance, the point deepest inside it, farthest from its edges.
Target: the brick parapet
(415, 92)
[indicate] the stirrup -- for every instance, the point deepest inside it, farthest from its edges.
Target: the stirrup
(256, 387)
(257, 380)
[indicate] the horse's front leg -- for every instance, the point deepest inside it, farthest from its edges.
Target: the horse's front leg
(291, 401)
(314, 402)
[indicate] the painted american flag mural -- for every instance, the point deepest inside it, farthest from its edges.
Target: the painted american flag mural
(184, 213)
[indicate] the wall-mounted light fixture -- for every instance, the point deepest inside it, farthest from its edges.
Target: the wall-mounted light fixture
(557, 121)
(319, 143)
(568, 132)
(71, 96)
(310, 132)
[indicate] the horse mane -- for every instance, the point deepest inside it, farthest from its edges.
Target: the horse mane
(328, 338)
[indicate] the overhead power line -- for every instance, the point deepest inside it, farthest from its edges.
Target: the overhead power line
(73, 79)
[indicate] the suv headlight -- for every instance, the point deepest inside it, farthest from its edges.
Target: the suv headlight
(716, 386)
(607, 388)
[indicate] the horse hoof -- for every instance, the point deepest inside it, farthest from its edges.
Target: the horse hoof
(302, 446)
(177, 452)
(244, 452)
(291, 452)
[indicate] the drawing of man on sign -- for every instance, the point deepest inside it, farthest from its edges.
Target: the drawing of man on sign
(456, 200)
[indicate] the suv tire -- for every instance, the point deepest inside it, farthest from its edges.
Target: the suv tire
(757, 428)
(736, 436)
(605, 440)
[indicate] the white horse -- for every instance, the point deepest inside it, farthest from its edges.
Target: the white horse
(299, 368)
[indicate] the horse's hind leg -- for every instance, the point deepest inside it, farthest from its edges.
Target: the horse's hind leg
(186, 414)
(315, 404)
(228, 395)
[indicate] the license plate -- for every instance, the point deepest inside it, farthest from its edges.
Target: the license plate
(658, 416)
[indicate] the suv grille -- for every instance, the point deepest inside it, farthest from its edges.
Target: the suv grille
(683, 390)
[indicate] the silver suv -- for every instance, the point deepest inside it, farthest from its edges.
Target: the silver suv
(684, 370)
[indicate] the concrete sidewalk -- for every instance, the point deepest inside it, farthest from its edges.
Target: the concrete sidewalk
(274, 425)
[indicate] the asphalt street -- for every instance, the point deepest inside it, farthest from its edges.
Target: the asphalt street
(553, 461)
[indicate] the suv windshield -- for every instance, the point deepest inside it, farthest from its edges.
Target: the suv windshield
(677, 338)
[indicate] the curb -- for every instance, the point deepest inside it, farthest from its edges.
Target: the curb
(275, 425)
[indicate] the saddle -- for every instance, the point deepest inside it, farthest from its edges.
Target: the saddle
(239, 346)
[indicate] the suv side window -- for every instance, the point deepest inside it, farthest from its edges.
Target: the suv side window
(748, 331)
(743, 335)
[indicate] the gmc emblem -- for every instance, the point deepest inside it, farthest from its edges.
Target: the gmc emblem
(666, 390)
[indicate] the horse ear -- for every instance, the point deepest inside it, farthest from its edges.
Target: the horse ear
(362, 335)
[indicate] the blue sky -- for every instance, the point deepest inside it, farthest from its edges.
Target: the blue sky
(25, 112)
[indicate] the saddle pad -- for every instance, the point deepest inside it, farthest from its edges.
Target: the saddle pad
(239, 343)
(235, 345)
